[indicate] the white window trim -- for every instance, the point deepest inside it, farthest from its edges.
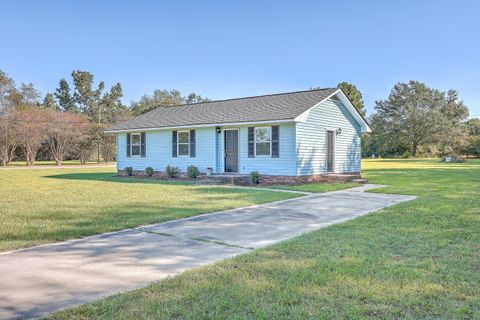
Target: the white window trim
(178, 144)
(255, 142)
(139, 144)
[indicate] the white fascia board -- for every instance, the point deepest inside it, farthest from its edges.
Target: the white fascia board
(202, 125)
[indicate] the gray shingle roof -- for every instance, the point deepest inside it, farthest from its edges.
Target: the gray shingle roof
(282, 106)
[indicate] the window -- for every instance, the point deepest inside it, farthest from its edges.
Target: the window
(263, 141)
(183, 138)
(135, 144)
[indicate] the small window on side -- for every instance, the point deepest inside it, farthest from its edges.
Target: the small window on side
(135, 145)
(183, 143)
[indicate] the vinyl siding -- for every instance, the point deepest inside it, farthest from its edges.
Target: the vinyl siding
(209, 152)
(311, 134)
(159, 151)
(283, 165)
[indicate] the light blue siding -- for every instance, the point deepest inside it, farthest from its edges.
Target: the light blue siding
(209, 152)
(311, 134)
(302, 146)
(283, 165)
(159, 151)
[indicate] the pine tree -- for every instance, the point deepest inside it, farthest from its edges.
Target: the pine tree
(65, 99)
(354, 95)
(49, 102)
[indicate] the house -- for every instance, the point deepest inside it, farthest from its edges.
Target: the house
(294, 136)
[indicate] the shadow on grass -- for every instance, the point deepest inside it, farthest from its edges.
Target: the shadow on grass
(109, 177)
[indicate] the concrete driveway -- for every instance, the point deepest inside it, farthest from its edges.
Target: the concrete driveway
(46, 278)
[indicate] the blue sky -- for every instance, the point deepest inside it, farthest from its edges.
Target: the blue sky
(226, 49)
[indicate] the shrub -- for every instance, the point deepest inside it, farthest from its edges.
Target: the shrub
(149, 171)
(255, 176)
(129, 171)
(192, 172)
(453, 158)
(406, 155)
(171, 171)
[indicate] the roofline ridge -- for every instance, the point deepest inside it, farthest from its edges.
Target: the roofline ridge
(249, 97)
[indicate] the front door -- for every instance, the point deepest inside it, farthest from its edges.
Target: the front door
(330, 148)
(231, 150)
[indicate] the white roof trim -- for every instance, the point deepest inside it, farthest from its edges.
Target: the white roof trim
(365, 127)
(201, 125)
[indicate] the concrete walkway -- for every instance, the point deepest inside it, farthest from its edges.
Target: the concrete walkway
(46, 278)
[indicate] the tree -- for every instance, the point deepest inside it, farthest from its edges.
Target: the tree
(90, 101)
(7, 91)
(9, 101)
(61, 130)
(8, 135)
(410, 115)
(49, 102)
(472, 147)
(107, 145)
(87, 99)
(65, 99)
(29, 94)
(195, 98)
(31, 131)
(85, 141)
(473, 126)
(163, 98)
(112, 108)
(414, 116)
(453, 131)
(354, 95)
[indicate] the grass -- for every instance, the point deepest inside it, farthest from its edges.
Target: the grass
(52, 163)
(47, 205)
(415, 260)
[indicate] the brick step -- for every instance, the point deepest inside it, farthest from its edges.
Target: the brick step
(240, 180)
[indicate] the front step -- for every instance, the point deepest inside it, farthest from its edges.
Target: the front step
(239, 180)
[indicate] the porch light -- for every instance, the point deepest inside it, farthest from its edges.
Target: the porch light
(338, 132)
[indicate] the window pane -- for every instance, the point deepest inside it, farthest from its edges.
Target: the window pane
(262, 134)
(135, 150)
(135, 139)
(183, 137)
(263, 148)
(183, 149)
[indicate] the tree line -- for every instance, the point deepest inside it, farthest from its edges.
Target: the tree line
(70, 122)
(417, 120)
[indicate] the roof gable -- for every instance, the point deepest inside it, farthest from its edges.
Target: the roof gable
(343, 98)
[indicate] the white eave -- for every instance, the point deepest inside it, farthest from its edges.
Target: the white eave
(202, 125)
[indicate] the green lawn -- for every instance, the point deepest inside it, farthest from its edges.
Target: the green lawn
(47, 205)
(415, 260)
